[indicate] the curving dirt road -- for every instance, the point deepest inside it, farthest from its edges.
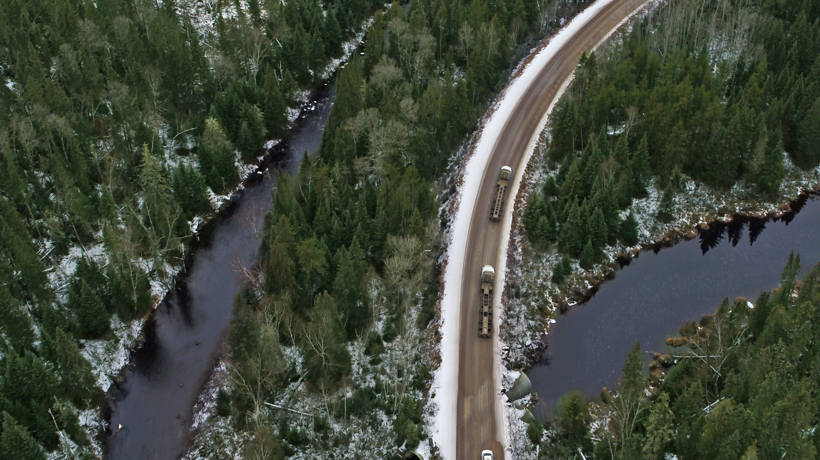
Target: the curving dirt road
(478, 423)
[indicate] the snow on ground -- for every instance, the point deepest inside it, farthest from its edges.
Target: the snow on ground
(367, 436)
(445, 383)
(533, 301)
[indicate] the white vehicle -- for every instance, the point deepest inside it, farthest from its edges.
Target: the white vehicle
(486, 455)
(485, 308)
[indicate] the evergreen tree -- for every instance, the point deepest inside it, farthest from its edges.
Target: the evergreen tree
(417, 225)
(190, 191)
(573, 232)
(770, 173)
(598, 231)
(572, 185)
(348, 289)
(16, 330)
(332, 33)
(317, 56)
(280, 271)
(27, 392)
(659, 428)
(532, 215)
(246, 142)
(639, 167)
(76, 379)
(559, 272)
(550, 187)
(16, 443)
(547, 225)
(808, 153)
(92, 316)
(219, 150)
(628, 230)
(130, 288)
(276, 109)
(666, 210)
(720, 168)
(572, 421)
(290, 89)
(587, 256)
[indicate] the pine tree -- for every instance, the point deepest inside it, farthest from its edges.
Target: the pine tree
(18, 333)
(720, 168)
(190, 191)
(16, 442)
(659, 428)
(770, 173)
(666, 210)
(417, 225)
(332, 33)
(598, 232)
(317, 56)
(573, 231)
(246, 143)
(628, 230)
(572, 420)
(347, 288)
(531, 216)
(251, 132)
(76, 378)
(558, 273)
(808, 153)
(92, 316)
(621, 153)
(28, 389)
(225, 165)
(571, 187)
(639, 166)
(547, 225)
(290, 89)
(276, 109)
(550, 187)
(587, 256)
(219, 150)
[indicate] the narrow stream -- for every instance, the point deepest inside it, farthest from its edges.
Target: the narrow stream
(185, 334)
(658, 292)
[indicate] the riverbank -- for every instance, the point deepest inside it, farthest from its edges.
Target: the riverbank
(110, 358)
(532, 302)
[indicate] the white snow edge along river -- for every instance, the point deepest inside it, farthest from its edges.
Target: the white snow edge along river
(445, 380)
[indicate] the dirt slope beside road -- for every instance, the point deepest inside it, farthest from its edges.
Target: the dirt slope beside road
(479, 421)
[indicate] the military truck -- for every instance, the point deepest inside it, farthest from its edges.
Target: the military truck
(485, 309)
(500, 192)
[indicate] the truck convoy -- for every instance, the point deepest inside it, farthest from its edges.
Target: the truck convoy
(485, 309)
(500, 192)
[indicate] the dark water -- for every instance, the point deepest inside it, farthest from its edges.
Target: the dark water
(657, 293)
(186, 332)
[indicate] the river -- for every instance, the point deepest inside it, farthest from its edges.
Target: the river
(659, 291)
(185, 334)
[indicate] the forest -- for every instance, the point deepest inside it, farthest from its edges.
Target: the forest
(715, 91)
(125, 119)
(350, 248)
(724, 93)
